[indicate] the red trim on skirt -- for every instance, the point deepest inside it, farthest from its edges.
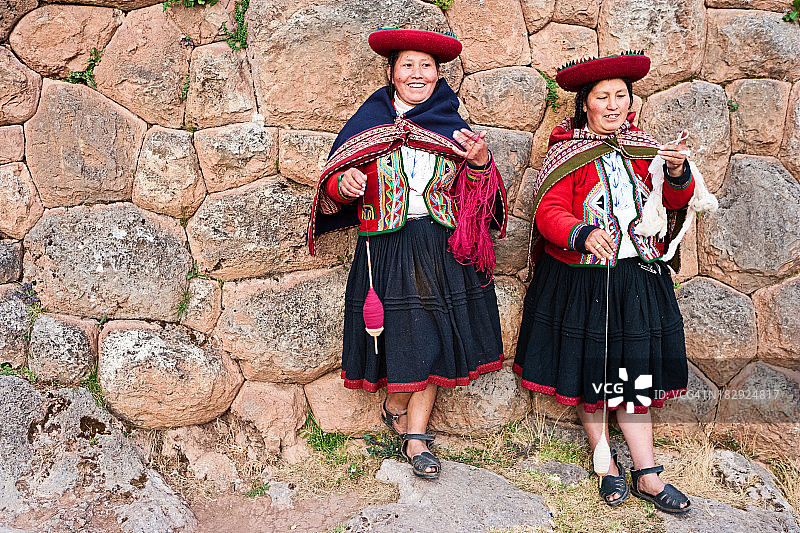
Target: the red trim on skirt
(450, 383)
(592, 407)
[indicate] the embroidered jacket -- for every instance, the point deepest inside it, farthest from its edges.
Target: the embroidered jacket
(384, 206)
(571, 193)
(456, 196)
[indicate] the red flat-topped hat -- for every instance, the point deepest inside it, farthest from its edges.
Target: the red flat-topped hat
(632, 65)
(443, 46)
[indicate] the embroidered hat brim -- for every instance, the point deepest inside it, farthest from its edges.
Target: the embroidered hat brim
(443, 47)
(631, 66)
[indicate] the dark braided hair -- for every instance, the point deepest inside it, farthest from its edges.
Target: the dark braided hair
(580, 119)
(394, 55)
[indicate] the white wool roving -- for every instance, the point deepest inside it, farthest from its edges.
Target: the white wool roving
(654, 214)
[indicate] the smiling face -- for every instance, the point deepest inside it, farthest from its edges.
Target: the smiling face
(414, 77)
(607, 106)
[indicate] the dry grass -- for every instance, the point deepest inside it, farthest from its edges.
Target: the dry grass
(353, 472)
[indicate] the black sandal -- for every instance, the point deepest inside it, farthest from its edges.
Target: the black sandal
(422, 461)
(611, 485)
(390, 418)
(668, 500)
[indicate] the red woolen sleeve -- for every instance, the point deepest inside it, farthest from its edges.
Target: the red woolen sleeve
(554, 218)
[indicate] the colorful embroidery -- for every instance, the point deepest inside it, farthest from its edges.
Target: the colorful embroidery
(392, 195)
(573, 234)
(440, 204)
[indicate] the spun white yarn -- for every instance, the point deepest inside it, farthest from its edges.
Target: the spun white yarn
(654, 214)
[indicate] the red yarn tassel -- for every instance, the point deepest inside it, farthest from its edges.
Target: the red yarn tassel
(373, 308)
(471, 241)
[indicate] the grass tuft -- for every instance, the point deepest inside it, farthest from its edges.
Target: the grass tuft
(92, 384)
(24, 373)
(86, 77)
(331, 445)
(259, 489)
(552, 93)
(237, 39)
(183, 304)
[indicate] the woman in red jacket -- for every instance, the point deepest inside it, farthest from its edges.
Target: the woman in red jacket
(422, 189)
(601, 327)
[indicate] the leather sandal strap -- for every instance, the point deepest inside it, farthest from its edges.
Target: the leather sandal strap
(418, 436)
(425, 460)
(393, 416)
(644, 471)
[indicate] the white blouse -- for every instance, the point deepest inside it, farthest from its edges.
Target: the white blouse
(418, 166)
(622, 200)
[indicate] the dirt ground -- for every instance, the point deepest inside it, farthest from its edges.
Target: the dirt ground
(239, 514)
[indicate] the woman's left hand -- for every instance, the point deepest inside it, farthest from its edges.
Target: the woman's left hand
(476, 151)
(671, 153)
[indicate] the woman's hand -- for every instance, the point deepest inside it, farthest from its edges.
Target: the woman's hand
(353, 183)
(476, 151)
(671, 153)
(600, 244)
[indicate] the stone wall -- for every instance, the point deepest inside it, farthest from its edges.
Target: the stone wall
(183, 181)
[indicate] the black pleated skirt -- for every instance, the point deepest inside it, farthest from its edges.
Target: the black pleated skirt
(562, 341)
(441, 323)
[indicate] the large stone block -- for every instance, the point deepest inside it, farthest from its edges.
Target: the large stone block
(750, 44)
(108, 260)
(503, 43)
(757, 122)
(511, 150)
(144, 67)
(220, 87)
(510, 296)
(277, 410)
(62, 348)
(779, 323)
(761, 407)
(19, 201)
(510, 97)
(168, 178)
(556, 44)
(164, 377)
(751, 241)
(304, 154)
(702, 108)
(55, 40)
(256, 229)
(14, 324)
(577, 12)
(19, 89)
(10, 12)
(10, 260)
(71, 466)
(205, 304)
(81, 147)
(316, 68)
(537, 13)
(655, 26)
(287, 329)
(12, 144)
(485, 405)
(512, 251)
(203, 23)
(236, 154)
(791, 137)
(342, 410)
(720, 328)
(688, 414)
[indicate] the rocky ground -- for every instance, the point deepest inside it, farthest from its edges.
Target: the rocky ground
(67, 465)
